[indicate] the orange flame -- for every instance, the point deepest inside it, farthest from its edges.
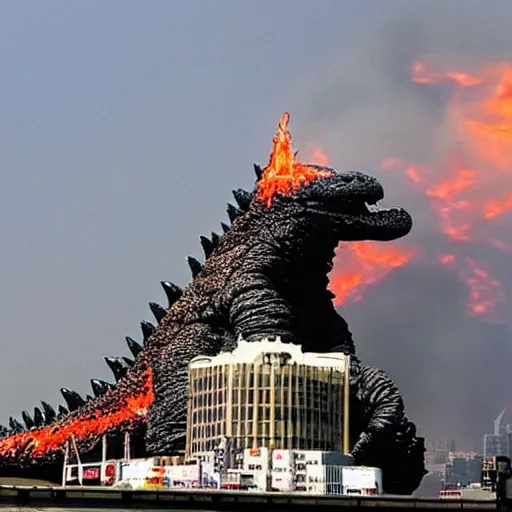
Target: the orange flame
(44, 440)
(363, 264)
(284, 174)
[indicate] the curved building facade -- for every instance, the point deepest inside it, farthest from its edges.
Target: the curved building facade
(266, 394)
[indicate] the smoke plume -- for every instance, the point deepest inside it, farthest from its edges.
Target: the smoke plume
(422, 98)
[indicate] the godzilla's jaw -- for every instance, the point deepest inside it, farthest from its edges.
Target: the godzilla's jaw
(382, 225)
(363, 220)
(348, 203)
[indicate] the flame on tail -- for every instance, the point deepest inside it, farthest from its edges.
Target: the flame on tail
(54, 437)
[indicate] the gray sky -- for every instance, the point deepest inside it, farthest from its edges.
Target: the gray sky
(124, 127)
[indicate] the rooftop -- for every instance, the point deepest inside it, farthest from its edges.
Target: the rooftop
(255, 351)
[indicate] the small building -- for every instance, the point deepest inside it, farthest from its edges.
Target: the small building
(266, 394)
(462, 469)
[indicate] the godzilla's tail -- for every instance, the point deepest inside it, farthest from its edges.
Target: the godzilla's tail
(122, 408)
(36, 445)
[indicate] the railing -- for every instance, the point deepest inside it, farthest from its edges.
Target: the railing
(196, 499)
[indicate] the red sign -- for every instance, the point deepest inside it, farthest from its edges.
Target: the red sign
(91, 473)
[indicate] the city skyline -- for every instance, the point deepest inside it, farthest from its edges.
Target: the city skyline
(126, 127)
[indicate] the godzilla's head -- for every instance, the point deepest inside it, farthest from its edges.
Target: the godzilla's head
(342, 204)
(345, 204)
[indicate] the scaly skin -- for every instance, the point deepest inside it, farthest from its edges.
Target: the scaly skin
(277, 281)
(267, 276)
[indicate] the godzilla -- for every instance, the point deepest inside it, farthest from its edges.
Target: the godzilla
(266, 275)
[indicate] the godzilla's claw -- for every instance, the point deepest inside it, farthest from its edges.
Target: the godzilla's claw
(360, 449)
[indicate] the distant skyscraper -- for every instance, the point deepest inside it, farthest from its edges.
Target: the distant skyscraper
(499, 427)
(498, 443)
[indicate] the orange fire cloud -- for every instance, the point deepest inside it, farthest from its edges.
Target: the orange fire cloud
(473, 185)
(422, 75)
(467, 190)
(361, 264)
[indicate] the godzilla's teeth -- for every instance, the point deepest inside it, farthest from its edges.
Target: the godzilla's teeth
(373, 207)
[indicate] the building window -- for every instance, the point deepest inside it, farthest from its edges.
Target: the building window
(305, 403)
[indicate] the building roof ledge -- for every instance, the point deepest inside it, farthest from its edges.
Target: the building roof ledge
(254, 352)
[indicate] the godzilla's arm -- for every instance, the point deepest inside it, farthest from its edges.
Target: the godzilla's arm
(383, 409)
(255, 306)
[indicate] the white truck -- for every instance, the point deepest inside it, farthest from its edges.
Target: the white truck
(343, 480)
